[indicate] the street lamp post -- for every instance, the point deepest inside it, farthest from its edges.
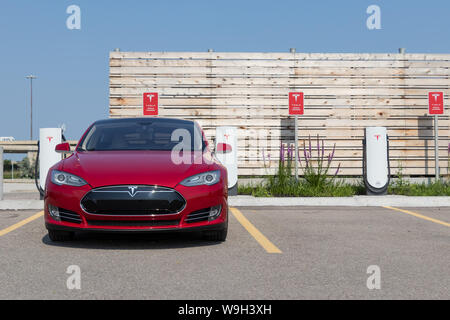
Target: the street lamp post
(31, 77)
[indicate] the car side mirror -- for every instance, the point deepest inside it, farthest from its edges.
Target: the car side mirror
(63, 148)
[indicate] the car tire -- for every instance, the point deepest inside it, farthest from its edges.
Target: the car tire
(216, 235)
(56, 235)
(233, 191)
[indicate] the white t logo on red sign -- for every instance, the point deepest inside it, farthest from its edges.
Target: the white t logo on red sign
(296, 103)
(150, 103)
(436, 96)
(436, 103)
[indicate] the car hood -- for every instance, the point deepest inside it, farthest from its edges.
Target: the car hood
(105, 168)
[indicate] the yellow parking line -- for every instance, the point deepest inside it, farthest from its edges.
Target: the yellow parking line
(21, 223)
(259, 237)
(418, 215)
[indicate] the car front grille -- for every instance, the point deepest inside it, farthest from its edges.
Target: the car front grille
(198, 216)
(133, 201)
(131, 223)
(69, 216)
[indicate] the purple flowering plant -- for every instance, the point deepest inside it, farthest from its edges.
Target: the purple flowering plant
(313, 162)
(316, 166)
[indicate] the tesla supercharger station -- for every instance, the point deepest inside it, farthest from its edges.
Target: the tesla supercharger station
(48, 139)
(376, 160)
(226, 153)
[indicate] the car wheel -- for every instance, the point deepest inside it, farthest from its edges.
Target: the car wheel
(56, 235)
(216, 235)
(233, 191)
(219, 235)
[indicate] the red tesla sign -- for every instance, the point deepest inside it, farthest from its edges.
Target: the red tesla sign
(436, 103)
(150, 104)
(296, 103)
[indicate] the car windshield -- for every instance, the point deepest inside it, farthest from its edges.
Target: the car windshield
(143, 134)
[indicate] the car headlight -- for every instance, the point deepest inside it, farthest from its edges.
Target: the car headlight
(205, 178)
(64, 178)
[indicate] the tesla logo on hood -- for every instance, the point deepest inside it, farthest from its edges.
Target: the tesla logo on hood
(132, 190)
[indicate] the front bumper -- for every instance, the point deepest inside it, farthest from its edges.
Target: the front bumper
(197, 199)
(209, 227)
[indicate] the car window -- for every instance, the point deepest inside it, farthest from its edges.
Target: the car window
(143, 135)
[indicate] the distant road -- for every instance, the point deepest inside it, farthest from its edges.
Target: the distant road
(24, 146)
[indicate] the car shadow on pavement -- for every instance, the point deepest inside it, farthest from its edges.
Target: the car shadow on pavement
(115, 241)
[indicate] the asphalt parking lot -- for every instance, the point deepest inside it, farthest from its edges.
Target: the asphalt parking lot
(270, 253)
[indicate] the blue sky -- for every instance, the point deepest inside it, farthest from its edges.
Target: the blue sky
(72, 65)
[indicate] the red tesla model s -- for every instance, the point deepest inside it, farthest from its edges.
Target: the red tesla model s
(138, 174)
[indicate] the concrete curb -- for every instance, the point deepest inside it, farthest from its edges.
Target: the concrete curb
(250, 201)
(21, 205)
(356, 201)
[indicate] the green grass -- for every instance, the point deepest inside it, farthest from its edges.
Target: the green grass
(17, 174)
(438, 188)
(292, 188)
(317, 181)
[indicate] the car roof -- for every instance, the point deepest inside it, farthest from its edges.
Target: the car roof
(147, 119)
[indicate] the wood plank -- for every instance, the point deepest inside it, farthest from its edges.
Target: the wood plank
(310, 123)
(195, 81)
(282, 112)
(278, 56)
(259, 171)
(348, 154)
(129, 92)
(280, 71)
(310, 101)
(299, 63)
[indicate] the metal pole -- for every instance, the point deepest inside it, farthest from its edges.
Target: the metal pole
(293, 50)
(12, 170)
(1, 173)
(31, 77)
(296, 147)
(31, 108)
(436, 147)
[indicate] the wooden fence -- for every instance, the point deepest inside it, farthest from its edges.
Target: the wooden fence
(344, 93)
